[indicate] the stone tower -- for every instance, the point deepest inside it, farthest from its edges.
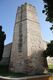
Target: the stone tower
(27, 47)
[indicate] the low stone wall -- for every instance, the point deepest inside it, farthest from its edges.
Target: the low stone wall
(41, 77)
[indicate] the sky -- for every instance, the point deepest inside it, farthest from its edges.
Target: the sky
(8, 10)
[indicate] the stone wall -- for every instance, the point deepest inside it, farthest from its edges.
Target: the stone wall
(35, 44)
(28, 46)
(50, 60)
(6, 54)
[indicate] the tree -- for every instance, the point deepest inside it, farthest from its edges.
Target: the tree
(2, 38)
(49, 49)
(48, 10)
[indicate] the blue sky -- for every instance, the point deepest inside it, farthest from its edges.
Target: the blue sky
(8, 10)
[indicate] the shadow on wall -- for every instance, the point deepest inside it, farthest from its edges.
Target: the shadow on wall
(36, 63)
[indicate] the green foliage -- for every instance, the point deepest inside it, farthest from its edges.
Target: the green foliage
(4, 68)
(2, 39)
(49, 49)
(50, 71)
(48, 10)
(50, 68)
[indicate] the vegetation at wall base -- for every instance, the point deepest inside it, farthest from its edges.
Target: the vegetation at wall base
(50, 68)
(4, 71)
(49, 49)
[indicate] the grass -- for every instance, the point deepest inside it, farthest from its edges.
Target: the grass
(50, 68)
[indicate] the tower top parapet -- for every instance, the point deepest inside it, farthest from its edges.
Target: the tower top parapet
(26, 6)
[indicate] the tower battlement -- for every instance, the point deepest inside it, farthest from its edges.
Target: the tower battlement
(24, 6)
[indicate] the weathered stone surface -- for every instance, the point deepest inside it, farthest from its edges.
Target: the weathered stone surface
(7, 49)
(28, 46)
(6, 54)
